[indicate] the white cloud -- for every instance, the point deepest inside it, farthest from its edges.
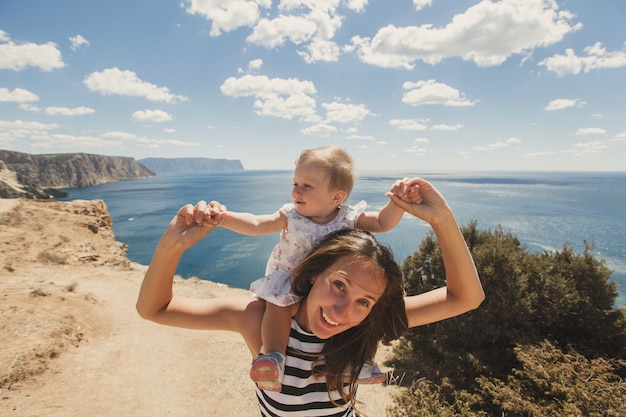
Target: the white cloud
(61, 141)
(541, 154)
(597, 58)
(147, 141)
(313, 29)
(320, 129)
(20, 125)
(497, 145)
(306, 23)
(368, 138)
(420, 4)
(271, 33)
(156, 116)
(16, 57)
(407, 124)
(18, 95)
(563, 103)
(29, 107)
(227, 15)
(255, 65)
(487, 34)
(65, 111)
(120, 135)
(620, 137)
(356, 5)
(278, 97)
(345, 113)
(77, 41)
(579, 149)
(431, 92)
(422, 140)
(589, 148)
(444, 127)
(23, 131)
(590, 131)
(126, 83)
(417, 150)
(320, 50)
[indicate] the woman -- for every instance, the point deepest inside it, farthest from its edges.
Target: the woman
(352, 298)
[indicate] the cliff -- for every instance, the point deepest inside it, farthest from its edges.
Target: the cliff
(164, 165)
(72, 343)
(40, 176)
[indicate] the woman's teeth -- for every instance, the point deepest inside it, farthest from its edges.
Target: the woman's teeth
(328, 320)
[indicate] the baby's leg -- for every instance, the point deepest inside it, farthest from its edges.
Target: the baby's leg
(276, 327)
(267, 369)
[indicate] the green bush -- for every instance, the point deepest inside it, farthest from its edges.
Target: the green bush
(547, 340)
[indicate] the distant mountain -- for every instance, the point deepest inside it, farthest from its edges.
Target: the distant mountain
(165, 165)
(40, 176)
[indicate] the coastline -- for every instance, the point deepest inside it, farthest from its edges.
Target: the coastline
(72, 343)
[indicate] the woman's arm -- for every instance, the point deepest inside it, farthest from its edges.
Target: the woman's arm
(463, 291)
(157, 302)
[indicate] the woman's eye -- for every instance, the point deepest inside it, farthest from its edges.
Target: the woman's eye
(339, 285)
(364, 303)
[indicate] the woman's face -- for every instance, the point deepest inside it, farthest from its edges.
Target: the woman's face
(341, 297)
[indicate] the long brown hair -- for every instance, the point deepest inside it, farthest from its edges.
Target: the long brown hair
(345, 353)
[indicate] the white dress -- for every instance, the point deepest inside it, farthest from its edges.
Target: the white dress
(296, 241)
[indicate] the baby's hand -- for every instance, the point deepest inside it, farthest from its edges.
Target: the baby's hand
(215, 211)
(407, 190)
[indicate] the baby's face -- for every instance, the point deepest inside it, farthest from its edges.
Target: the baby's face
(311, 194)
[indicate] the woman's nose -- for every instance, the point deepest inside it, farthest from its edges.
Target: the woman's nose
(341, 310)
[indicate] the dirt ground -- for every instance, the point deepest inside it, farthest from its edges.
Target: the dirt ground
(72, 344)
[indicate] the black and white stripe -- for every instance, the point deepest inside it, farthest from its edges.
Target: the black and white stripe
(302, 395)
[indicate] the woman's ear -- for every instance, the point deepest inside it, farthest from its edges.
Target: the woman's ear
(339, 196)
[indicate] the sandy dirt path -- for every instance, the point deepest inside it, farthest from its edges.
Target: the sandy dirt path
(72, 344)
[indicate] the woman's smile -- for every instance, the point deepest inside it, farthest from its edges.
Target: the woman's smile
(341, 297)
(328, 319)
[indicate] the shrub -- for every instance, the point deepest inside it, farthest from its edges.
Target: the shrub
(545, 314)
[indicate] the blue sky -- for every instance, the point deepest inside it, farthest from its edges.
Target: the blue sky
(421, 85)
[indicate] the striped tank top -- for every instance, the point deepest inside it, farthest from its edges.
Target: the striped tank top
(302, 394)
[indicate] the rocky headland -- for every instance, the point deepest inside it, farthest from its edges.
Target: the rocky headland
(41, 176)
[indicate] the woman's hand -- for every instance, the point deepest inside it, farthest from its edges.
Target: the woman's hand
(419, 198)
(192, 223)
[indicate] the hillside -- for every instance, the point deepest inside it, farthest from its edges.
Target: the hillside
(72, 344)
(40, 176)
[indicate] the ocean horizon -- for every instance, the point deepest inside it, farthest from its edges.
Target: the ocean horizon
(545, 210)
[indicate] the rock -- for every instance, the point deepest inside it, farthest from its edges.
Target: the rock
(40, 176)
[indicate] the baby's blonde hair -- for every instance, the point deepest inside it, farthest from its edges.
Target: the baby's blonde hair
(334, 162)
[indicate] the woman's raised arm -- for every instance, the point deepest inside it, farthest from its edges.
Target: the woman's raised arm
(463, 291)
(157, 301)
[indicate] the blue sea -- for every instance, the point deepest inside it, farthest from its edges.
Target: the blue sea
(545, 210)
